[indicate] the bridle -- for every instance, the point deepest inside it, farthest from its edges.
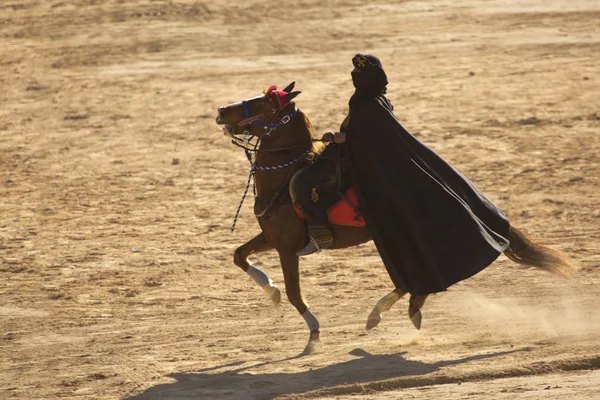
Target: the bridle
(248, 121)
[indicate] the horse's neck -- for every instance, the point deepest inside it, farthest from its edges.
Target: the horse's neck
(297, 136)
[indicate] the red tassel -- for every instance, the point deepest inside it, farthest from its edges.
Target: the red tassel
(277, 95)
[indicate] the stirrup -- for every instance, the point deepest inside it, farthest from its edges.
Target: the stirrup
(310, 248)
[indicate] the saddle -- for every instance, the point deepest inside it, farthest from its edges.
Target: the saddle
(345, 212)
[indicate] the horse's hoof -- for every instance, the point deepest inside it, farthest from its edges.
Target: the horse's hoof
(275, 296)
(373, 320)
(416, 319)
(314, 344)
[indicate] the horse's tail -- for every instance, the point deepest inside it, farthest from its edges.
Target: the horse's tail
(525, 251)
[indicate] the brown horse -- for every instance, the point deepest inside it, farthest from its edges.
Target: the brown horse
(284, 142)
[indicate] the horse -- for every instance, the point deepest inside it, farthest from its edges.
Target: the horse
(279, 140)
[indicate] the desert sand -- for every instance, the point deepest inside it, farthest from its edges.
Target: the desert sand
(118, 190)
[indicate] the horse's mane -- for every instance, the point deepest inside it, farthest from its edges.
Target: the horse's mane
(317, 147)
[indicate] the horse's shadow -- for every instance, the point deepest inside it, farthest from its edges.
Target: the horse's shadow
(238, 384)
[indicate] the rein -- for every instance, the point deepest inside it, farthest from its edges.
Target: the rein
(255, 167)
(259, 150)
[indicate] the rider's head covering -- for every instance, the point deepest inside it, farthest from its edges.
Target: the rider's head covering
(368, 77)
(368, 74)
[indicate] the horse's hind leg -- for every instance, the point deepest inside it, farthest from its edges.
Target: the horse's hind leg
(383, 305)
(414, 309)
(240, 258)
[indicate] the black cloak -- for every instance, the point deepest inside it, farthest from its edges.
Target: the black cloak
(430, 224)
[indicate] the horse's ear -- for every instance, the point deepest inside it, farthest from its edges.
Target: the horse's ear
(289, 87)
(288, 97)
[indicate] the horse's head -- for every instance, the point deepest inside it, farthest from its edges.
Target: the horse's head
(252, 117)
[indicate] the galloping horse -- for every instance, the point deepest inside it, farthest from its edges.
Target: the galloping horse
(279, 140)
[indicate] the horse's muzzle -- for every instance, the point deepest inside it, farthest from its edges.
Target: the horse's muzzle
(227, 130)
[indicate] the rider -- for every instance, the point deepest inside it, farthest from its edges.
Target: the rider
(431, 225)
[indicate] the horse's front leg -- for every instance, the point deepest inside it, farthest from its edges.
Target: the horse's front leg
(240, 258)
(291, 274)
(383, 305)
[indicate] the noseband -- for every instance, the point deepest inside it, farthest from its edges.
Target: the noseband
(248, 121)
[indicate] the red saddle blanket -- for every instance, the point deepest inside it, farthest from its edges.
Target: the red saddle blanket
(342, 213)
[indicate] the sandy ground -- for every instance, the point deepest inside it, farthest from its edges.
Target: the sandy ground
(118, 190)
